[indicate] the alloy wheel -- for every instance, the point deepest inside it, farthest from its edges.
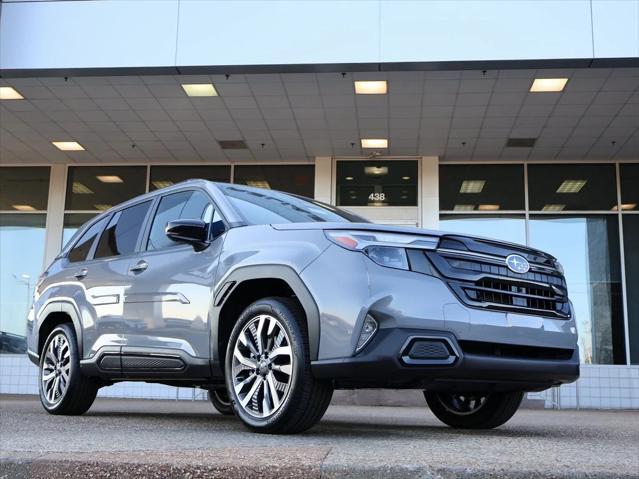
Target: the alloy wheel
(56, 369)
(462, 404)
(262, 367)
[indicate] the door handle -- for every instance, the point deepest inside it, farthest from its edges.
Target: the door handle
(81, 274)
(139, 267)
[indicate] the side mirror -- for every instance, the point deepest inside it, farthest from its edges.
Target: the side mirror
(193, 232)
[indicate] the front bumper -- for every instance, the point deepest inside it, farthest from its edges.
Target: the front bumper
(381, 365)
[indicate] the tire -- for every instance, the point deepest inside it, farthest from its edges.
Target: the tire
(73, 394)
(220, 400)
(473, 410)
(274, 391)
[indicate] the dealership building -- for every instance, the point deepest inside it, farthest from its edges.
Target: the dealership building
(512, 120)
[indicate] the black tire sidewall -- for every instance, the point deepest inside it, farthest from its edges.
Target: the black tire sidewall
(286, 317)
(74, 373)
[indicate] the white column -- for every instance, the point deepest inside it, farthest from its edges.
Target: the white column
(429, 201)
(55, 212)
(324, 179)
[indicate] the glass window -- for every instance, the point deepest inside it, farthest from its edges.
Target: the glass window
(101, 187)
(481, 187)
(629, 174)
(23, 233)
(376, 183)
(81, 249)
(572, 187)
(183, 205)
(588, 249)
(24, 188)
(163, 176)
(504, 227)
(72, 223)
(631, 253)
(122, 232)
(260, 207)
(296, 179)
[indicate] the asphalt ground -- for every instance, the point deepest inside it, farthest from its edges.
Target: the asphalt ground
(144, 438)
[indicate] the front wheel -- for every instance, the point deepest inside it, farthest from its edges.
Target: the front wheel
(473, 410)
(268, 369)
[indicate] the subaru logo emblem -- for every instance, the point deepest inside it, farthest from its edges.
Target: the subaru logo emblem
(517, 263)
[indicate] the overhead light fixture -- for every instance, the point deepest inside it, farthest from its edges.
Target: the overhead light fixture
(102, 206)
(546, 85)
(259, 184)
(571, 186)
(374, 143)
(232, 144)
(378, 87)
(553, 208)
(520, 142)
(463, 207)
(23, 207)
(472, 186)
(376, 170)
(80, 189)
(349, 178)
(625, 207)
(488, 207)
(199, 89)
(110, 179)
(68, 145)
(159, 184)
(10, 93)
(405, 178)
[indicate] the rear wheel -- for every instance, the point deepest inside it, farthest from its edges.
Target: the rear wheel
(221, 401)
(268, 369)
(63, 388)
(473, 410)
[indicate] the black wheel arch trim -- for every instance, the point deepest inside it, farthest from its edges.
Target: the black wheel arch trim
(272, 271)
(59, 306)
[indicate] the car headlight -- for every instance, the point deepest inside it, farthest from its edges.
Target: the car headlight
(385, 249)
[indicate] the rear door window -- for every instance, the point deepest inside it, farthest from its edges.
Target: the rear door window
(122, 232)
(80, 251)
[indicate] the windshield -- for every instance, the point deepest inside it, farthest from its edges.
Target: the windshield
(261, 207)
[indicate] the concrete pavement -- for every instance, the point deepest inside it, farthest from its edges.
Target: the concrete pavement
(141, 438)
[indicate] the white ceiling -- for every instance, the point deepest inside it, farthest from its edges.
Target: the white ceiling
(459, 115)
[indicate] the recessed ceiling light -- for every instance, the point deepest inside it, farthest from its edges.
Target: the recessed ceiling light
(472, 186)
(463, 207)
(200, 89)
(544, 85)
(80, 189)
(110, 179)
(349, 178)
(374, 143)
(571, 186)
(371, 87)
(520, 142)
(259, 184)
(488, 207)
(553, 207)
(376, 170)
(102, 206)
(232, 144)
(161, 183)
(405, 178)
(68, 145)
(9, 93)
(625, 207)
(23, 207)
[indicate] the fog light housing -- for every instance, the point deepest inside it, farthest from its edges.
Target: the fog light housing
(369, 328)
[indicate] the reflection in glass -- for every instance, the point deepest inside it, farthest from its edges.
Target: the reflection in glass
(629, 175)
(101, 187)
(377, 183)
(588, 248)
(631, 253)
(572, 187)
(481, 187)
(296, 179)
(72, 223)
(24, 188)
(503, 227)
(22, 233)
(163, 176)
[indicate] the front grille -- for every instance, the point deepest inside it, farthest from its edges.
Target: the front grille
(478, 274)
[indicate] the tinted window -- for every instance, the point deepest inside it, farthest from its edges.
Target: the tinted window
(189, 205)
(261, 207)
(163, 176)
(629, 189)
(296, 179)
(81, 249)
(101, 187)
(122, 232)
(24, 188)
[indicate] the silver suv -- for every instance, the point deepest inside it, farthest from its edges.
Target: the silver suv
(271, 301)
